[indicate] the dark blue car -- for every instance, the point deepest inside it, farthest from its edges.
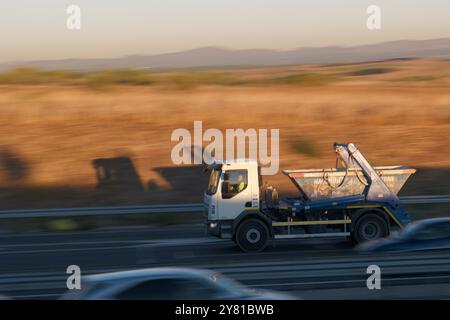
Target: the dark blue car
(429, 234)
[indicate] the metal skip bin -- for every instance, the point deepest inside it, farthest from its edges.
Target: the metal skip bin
(318, 184)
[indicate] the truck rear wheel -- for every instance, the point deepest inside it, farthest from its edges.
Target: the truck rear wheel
(369, 227)
(252, 235)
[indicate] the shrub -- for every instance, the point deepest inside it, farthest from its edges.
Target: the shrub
(305, 146)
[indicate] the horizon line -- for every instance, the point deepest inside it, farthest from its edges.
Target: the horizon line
(218, 47)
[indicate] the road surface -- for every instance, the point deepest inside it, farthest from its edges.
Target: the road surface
(34, 265)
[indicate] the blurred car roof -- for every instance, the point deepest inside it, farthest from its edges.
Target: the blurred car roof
(150, 273)
(433, 220)
(427, 222)
(238, 290)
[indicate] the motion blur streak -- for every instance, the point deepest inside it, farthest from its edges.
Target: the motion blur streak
(308, 269)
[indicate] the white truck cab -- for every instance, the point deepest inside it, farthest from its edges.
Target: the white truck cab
(233, 188)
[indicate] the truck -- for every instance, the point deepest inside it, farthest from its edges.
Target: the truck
(355, 201)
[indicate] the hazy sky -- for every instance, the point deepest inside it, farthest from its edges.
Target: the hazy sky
(36, 29)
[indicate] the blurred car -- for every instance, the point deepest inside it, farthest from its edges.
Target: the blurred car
(429, 234)
(167, 284)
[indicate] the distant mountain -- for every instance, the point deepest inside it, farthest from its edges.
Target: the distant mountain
(220, 57)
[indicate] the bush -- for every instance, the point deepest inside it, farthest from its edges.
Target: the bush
(30, 76)
(119, 77)
(305, 147)
(298, 79)
(369, 71)
(189, 79)
(60, 225)
(417, 79)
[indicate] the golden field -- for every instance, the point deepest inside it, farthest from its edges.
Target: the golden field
(396, 112)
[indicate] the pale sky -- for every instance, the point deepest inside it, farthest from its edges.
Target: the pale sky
(36, 29)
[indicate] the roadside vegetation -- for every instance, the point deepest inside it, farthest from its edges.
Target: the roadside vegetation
(370, 71)
(305, 147)
(303, 76)
(184, 79)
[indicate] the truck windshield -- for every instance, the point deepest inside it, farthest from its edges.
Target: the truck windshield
(213, 182)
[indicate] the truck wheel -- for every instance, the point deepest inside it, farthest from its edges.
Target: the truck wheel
(252, 235)
(369, 227)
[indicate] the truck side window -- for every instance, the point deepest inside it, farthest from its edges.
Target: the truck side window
(213, 182)
(234, 182)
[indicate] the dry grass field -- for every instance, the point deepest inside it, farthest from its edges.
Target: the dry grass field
(397, 112)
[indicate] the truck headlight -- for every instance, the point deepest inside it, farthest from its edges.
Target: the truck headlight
(213, 225)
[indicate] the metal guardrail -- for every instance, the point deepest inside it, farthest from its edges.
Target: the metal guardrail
(424, 199)
(162, 208)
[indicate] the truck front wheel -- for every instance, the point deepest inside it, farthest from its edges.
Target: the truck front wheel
(252, 235)
(370, 227)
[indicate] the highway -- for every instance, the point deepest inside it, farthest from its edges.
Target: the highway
(33, 265)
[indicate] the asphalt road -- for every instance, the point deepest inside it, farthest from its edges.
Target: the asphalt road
(34, 265)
